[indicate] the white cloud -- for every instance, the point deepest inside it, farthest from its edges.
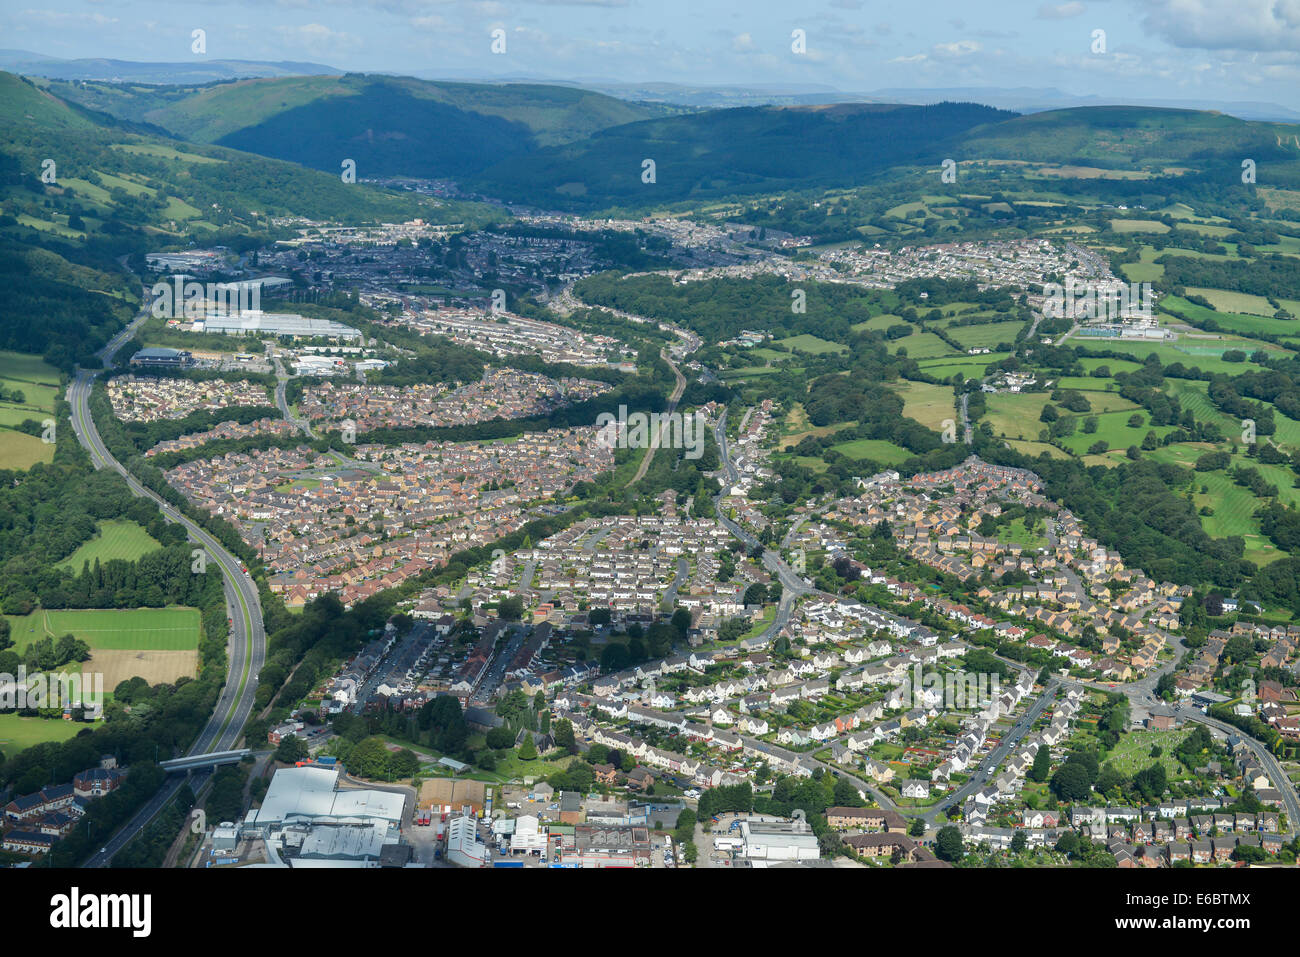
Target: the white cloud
(956, 48)
(1259, 25)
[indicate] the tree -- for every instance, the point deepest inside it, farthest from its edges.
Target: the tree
(681, 621)
(528, 749)
(1151, 782)
(291, 749)
(1068, 843)
(1018, 842)
(947, 844)
(1042, 766)
(846, 794)
(369, 758)
(564, 737)
(404, 764)
(1071, 782)
(916, 828)
(510, 609)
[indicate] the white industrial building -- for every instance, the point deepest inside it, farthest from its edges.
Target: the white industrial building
(256, 323)
(528, 837)
(306, 820)
(463, 846)
(778, 841)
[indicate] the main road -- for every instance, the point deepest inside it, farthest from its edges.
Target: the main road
(246, 651)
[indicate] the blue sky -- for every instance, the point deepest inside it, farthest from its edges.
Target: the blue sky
(1172, 49)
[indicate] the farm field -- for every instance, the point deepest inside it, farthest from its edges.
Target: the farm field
(116, 539)
(745, 372)
(1036, 448)
(928, 404)
(1138, 226)
(21, 451)
(38, 384)
(924, 345)
(878, 450)
(796, 427)
(986, 336)
(158, 644)
(1227, 301)
(882, 322)
(810, 343)
(1015, 416)
(971, 367)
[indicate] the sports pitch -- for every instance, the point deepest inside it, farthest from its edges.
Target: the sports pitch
(137, 629)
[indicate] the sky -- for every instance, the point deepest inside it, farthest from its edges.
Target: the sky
(1197, 50)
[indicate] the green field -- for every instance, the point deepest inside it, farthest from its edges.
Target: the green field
(986, 336)
(1016, 533)
(18, 733)
(931, 405)
(1015, 415)
(878, 450)
(881, 322)
(923, 345)
(139, 629)
(812, 344)
(1242, 302)
(116, 539)
(21, 451)
(39, 384)
(1244, 324)
(1205, 354)
(970, 367)
(1114, 430)
(1138, 226)
(1234, 510)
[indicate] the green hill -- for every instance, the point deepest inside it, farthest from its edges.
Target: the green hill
(388, 125)
(1132, 137)
(723, 152)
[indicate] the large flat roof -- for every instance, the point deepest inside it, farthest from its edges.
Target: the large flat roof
(311, 792)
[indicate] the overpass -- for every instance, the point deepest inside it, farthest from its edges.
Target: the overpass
(212, 759)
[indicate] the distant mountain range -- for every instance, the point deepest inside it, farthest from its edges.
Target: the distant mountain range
(1018, 99)
(571, 148)
(694, 96)
(134, 71)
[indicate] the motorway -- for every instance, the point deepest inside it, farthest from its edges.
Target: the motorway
(247, 647)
